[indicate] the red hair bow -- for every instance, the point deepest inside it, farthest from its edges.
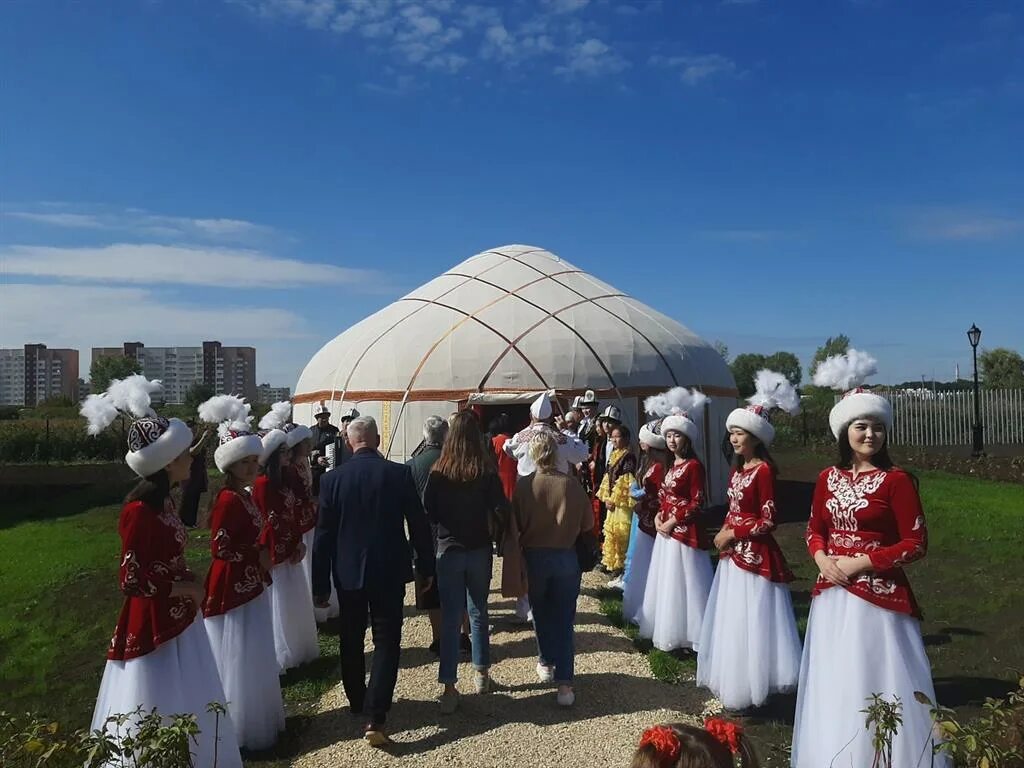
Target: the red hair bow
(665, 742)
(726, 733)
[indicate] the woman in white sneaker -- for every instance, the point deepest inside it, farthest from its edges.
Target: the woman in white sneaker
(552, 510)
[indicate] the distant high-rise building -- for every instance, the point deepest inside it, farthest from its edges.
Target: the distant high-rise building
(229, 370)
(34, 374)
(267, 394)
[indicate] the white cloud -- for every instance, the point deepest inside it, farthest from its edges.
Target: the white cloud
(565, 6)
(141, 223)
(591, 58)
(695, 69)
(99, 316)
(150, 263)
(946, 223)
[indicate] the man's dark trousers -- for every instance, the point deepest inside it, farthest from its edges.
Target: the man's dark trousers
(383, 605)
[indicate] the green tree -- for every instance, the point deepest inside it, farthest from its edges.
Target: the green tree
(198, 393)
(1001, 368)
(109, 367)
(836, 345)
(787, 364)
(722, 348)
(744, 367)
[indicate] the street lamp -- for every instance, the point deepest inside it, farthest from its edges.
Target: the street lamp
(974, 336)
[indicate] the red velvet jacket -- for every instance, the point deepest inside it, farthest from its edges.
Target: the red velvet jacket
(647, 508)
(281, 534)
(878, 513)
(235, 575)
(681, 496)
(300, 483)
(752, 517)
(152, 559)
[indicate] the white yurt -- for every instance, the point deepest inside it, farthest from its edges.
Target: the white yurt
(497, 330)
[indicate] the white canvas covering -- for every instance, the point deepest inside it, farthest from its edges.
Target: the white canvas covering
(513, 320)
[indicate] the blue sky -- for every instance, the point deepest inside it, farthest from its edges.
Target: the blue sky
(268, 172)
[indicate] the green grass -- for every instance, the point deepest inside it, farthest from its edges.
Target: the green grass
(59, 602)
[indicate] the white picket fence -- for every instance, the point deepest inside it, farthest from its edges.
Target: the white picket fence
(922, 417)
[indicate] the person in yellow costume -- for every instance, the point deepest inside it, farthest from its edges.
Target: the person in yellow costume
(614, 492)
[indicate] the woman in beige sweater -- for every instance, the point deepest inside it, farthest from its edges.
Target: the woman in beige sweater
(551, 511)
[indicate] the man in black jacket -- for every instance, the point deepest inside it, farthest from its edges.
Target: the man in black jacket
(360, 541)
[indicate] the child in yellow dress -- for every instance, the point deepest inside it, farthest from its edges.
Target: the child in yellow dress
(614, 492)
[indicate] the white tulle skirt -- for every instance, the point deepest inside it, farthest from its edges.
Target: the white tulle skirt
(332, 610)
(179, 676)
(678, 583)
(636, 584)
(854, 648)
(242, 641)
(295, 639)
(749, 645)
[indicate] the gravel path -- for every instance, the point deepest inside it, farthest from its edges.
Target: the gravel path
(519, 724)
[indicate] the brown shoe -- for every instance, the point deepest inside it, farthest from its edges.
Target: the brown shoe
(376, 736)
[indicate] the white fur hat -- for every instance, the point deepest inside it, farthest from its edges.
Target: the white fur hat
(153, 441)
(848, 372)
(231, 414)
(681, 408)
(541, 407)
(297, 433)
(771, 390)
(650, 435)
(271, 441)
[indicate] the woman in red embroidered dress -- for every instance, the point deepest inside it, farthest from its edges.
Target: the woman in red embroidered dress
(863, 634)
(237, 607)
(651, 475)
(750, 647)
(679, 579)
(291, 604)
(159, 657)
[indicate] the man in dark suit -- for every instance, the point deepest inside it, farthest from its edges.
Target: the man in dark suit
(360, 541)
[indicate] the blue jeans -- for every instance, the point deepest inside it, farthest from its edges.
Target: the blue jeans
(554, 579)
(463, 573)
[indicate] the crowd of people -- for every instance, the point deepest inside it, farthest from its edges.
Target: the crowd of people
(315, 522)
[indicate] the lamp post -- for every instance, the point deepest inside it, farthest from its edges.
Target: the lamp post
(974, 336)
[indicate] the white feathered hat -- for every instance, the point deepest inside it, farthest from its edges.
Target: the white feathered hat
(273, 424)
(153, 441)
(771, 390)
(682, 409)
(650, 435)
(540, 409)
(846, 373)
(236, 440)
(297, 433)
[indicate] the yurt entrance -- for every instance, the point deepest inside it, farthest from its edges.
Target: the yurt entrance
(518, 415)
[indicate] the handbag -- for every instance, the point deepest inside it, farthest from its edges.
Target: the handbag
(588, 551)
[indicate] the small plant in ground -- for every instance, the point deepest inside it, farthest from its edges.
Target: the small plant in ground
(995, 739)
(134, 740)
(886, 717)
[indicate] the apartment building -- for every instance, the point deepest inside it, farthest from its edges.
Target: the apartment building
(33, 374)
(267, 394)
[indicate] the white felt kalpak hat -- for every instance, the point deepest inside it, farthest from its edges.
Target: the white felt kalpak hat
(589, 398)
(153, 441)
(681, 407)
(273, 424)
(846, 373)
(611, 413)
(349, 414)
(236, 441)
(771, 390)
(540, 409)
(650, 435)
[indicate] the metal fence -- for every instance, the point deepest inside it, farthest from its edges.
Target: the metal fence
(925, 417)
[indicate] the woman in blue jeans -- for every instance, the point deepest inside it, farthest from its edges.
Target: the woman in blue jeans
(463, 497)
(552, 510)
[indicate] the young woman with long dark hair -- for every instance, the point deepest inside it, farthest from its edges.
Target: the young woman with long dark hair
(749, 645)
(680, 575)
(650, 476)
(614, 492)
(463, 496)
(863, 632)
(159, 657)
(237, 608)
(295, 638)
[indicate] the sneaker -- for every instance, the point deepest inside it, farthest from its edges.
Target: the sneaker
(545, 673)
(616, 583)
(482, 682)
(449, 702)
(566, 698)
(376, 736)
(465, 645)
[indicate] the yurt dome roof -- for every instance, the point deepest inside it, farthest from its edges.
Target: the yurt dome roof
(512, 319)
